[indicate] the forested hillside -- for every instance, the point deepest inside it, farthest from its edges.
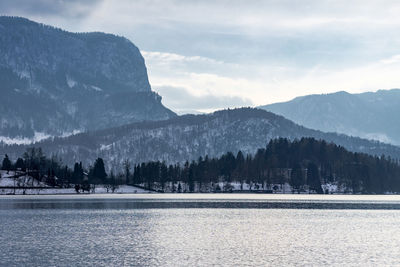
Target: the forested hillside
(55, 83)
(305, 165)
(189, 137)
(283, 166)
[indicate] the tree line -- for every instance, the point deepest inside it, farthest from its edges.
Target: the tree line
(52, 171)
(305, 163)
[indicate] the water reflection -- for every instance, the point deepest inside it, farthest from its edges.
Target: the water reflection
(199, 201)
(198, 237)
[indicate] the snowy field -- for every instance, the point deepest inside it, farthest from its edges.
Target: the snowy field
(8, 180)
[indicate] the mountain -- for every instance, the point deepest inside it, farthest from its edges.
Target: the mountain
(189, 137)
(54, 82)
(372, 115)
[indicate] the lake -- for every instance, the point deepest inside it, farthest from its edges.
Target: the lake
(199, 230)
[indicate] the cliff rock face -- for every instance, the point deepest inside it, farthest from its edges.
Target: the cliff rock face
(55, 82)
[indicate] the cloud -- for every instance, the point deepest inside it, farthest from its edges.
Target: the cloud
(171, 57)
(178, 64)
(391, 60)
(182, 101)
(69, 8)
(269, 84)
(203, 78)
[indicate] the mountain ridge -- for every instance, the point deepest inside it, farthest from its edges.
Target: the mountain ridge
(370, 115)
(191, 136)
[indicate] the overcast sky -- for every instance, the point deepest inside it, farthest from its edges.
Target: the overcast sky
(207, 55)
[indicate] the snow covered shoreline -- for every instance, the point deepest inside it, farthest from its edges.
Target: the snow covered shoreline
(25, 185)
(13, 184)
(124, 189)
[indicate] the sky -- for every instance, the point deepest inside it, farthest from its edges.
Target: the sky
(207, 55)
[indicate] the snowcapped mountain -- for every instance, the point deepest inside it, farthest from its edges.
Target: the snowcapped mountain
(373, 115)
(54, 82)
(189, 137)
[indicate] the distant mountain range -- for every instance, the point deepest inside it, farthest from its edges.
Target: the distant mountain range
(189, 137)
(54, 82)
(367, 115)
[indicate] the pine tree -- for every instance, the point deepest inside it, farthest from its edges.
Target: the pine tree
(20, 165)
(6, 166)
(163, 175)
(296, 178)
(77, 176)
(191, 177)
(179, 188)
(127, 168)
(313, 178)
(99, 174)
(136, 175)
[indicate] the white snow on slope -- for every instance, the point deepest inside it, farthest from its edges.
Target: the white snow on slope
(98, 89)
(71, 82)
(39, 136)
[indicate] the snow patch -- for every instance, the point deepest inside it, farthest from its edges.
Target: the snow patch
(122, 189)
(330, 188)
(98, 89)
(24, 74)
(39, 136)
(381, 137)
(71, 82)
(105, 147)
(66, 134)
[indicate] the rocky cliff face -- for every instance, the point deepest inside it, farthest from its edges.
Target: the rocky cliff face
(55, 82)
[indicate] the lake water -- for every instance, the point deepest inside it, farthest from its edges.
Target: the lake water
(199, 230)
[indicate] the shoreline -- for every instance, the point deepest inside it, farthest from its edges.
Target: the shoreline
(187, 193)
